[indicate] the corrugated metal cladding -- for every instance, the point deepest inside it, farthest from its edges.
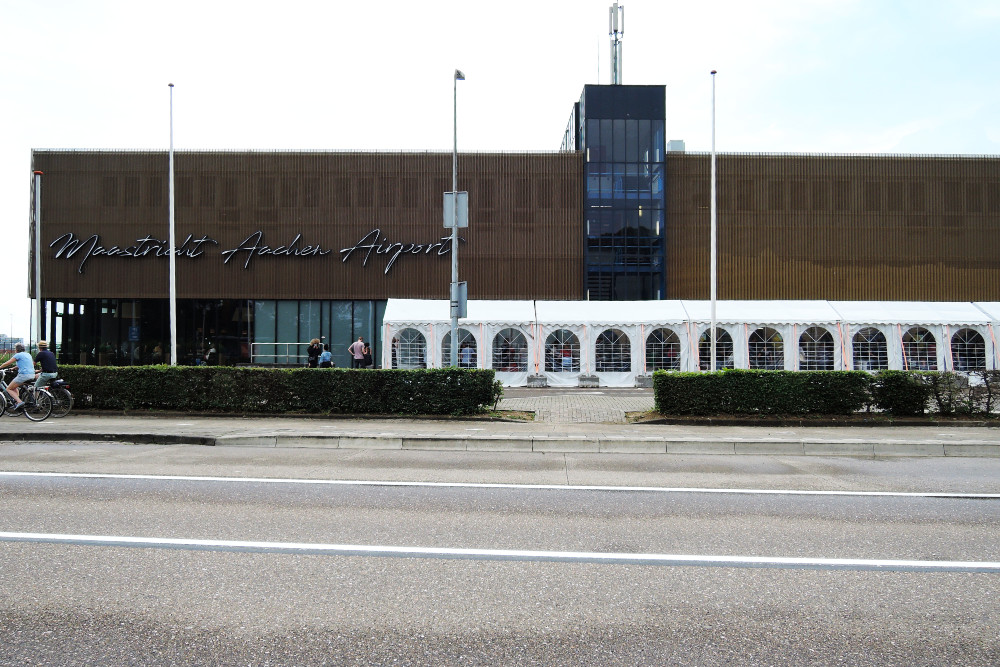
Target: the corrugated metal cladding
(524, 239)
(836, 227)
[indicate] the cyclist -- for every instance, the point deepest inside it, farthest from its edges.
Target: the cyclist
(25, 373)
(47, 360)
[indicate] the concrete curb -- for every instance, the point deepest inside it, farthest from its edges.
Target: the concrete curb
(542, 444)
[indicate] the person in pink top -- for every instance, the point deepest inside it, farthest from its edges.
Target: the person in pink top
(357, 352)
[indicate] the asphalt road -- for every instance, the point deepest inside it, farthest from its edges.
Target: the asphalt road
(264, 557)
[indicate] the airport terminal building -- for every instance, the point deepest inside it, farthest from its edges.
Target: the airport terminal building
(277, 248)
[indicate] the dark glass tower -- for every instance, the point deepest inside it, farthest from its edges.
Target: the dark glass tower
(620, 131)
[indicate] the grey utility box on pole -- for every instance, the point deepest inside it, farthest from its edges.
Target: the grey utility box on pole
(450, 218)
(460, 299)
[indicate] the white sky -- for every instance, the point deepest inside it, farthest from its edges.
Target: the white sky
(811, 76)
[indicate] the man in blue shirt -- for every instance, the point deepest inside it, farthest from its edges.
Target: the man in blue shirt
(25, 373)
(47, 360)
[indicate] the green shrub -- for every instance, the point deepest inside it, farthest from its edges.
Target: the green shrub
(984, 394)
(760, 392)
(949, 391)
(276, 390)
(900, 393)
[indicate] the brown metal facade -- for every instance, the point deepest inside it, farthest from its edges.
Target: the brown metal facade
(790, 226)
(836, 227)
(308, 208)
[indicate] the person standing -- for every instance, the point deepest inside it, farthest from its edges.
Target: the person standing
(326, 359)
(357, 352)
(313, 352)
(366, 360)
(25, 372)
(47, 361)
(465, 356)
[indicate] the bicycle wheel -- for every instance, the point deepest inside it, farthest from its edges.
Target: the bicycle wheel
(62, 401)
(38, 407)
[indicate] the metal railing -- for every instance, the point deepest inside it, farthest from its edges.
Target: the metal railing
(278, 354)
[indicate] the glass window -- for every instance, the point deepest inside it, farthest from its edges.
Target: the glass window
(309, 319)
(362, 321)
(634, 185)
(658, 142)
(767, 350)
(617, 181)
(510, 351)
(656, 180)
(562, 352)
(631, 141)
(613, 352)
(645, 145)
(593, 139)
(663, 351)
(598, 180)
(341, 332)
(263, 332)
(618, 128)
(816, 350)
(919, 350)
(723, 350)
(968, 351)
(607, 141)
(411, 350)
(870, 350)
(468, 350)
(287, 327)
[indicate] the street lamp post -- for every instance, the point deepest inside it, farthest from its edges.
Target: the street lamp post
(714, 216)
(172, 240)
(37, 309)
(459, 76)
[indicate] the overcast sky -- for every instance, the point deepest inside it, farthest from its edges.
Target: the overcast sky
(809, 76)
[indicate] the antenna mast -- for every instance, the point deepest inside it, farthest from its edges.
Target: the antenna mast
(616, 29)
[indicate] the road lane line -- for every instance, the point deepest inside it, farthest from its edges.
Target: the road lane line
(485, 485)
(862, 564)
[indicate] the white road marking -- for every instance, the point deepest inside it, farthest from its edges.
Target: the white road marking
(485, 485)
(510, 554)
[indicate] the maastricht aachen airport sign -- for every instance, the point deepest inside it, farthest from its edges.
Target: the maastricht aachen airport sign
(373, 245)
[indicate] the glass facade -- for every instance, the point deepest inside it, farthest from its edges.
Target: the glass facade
(620, 130)
(128, 332)
(283, 329)
(125, 332)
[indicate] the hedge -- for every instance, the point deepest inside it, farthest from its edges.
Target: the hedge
(898, 393)
(229, 389)
(760, 392)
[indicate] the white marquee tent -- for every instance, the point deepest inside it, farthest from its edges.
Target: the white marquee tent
(619, 341)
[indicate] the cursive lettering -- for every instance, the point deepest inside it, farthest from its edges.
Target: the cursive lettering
(70, 245)
(254, 246)
(374, 243)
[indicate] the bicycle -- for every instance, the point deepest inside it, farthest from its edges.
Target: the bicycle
(37, 404)
(62, 399)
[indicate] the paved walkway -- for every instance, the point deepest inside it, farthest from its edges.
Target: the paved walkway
(573, 406)
(586, 421)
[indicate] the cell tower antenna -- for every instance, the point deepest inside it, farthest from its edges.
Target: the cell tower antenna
(616, 29)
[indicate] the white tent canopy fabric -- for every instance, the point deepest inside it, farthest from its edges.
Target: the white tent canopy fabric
(619, 341)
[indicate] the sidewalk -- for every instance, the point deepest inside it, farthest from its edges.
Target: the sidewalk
(568, 421)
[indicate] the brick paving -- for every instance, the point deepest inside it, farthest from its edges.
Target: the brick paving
(574, 406)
